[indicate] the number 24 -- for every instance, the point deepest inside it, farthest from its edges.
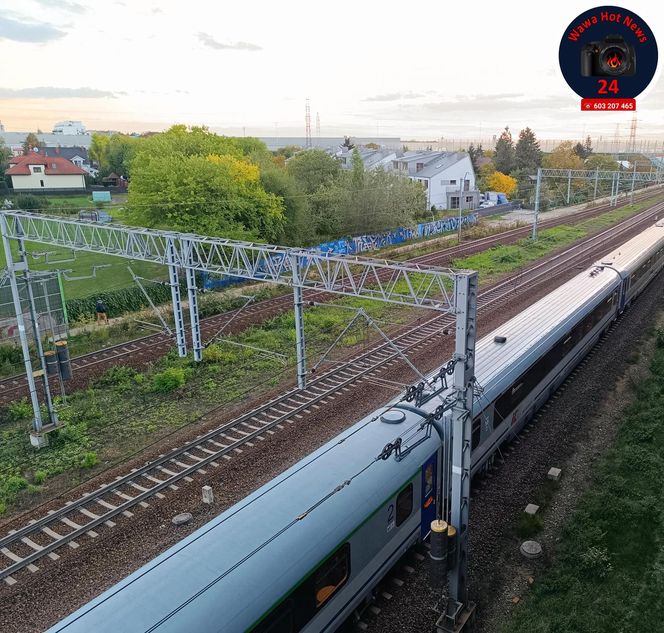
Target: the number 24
(605, 87)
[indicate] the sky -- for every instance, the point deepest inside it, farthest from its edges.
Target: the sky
(413, 70)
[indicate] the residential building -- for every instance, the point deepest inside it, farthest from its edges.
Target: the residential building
(70, 127)
(77, 155)
(447, 177)
(15, 140)
(371, 158)
(36, 172)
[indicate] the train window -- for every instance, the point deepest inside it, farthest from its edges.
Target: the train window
(279, 621)
(476, 433)
(404, 504)
(332, 575)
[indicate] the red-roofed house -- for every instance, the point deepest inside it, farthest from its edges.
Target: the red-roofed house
(35, 171)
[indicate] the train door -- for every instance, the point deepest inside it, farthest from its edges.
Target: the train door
(428, 500)
(624, 289)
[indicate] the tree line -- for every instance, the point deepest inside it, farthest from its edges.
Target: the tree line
(510, 167)
(191, 179)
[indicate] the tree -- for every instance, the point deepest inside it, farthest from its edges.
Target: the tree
(213, 195)
(483, 175)
(313, 168)
(120, 150)
(31, 143)
(357, 171)
(503, 183)
(475, 154)
(602, 162)
(563, 157)
(504, 159)
(5, 155)
(98, 152)
(347, 144)
(527, 154)
(585, 149)
(288, 151)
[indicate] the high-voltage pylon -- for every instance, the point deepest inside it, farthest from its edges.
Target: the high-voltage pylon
(317, 125)
(307, 122)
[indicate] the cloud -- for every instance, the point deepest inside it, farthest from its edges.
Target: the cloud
(49, 92)
(64, 5)
(27, 31)
(394, 96)
(157, 11)
(208, 40)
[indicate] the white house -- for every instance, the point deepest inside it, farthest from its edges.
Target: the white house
(70, 127)
(35, 171)
(371, 158)
(447, 177)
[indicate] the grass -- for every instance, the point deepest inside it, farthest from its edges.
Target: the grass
(125, 411)
(608, 575)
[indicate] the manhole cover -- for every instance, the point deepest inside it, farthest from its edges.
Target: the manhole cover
(531, 549)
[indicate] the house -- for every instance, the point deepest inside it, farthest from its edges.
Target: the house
(447, 177)
(38, 172)
(371, 158)
(77, 155)
(69, 127)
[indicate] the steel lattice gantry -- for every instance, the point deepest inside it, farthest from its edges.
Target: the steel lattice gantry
(436, 288)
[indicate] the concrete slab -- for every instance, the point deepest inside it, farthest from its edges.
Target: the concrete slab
(531, 509)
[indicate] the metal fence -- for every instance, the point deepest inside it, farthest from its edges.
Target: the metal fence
(49, 304)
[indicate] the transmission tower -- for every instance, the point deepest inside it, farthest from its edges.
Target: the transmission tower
(307, 119)
(632, 134)
(317, 125)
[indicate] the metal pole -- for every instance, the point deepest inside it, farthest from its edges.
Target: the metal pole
(176, 300)
(52, 415)
(631, 195)
(299, 323)
(63, 394)
(569, 185)
(596, 183)
(12, 267)
(538, 189)
(193, 302)
(615, 200)
(458, 609)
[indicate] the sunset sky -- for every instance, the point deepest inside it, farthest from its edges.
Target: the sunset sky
(420, 70)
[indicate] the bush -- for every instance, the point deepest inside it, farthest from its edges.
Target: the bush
(529, 525)
(39, 477)
(19, 410)
(89, 460)
(168, 380)
(117, 376)
(28, 202)
(595, 562)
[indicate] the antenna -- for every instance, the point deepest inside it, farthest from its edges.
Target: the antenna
(307, 119)
(632, 134)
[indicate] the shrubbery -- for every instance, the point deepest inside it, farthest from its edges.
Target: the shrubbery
(168, 380)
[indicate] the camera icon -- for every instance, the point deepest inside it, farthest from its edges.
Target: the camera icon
(612, 57)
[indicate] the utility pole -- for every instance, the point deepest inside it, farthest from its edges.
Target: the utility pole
(538, 189)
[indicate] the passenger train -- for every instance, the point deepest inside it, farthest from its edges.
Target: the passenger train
(304, 551)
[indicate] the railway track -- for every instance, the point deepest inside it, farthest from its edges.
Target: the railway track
(78, 519)
(141, 350)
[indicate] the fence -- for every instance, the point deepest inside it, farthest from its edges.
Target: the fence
(49, 304)
(365, 243)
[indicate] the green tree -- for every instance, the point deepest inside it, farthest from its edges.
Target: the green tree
(563, 157)
(475, 154)
(31, 143)
(602, 162)
(288, 151)
(213, 195)
(527, 153)
(585, 149)
(119, 151)
(5, 155)
(313, 168)
(98, 152)
(504, 158)
(357, 180)
(483, 176)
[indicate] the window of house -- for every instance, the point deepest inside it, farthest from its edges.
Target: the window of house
(419, 166)
(454, 202)
(41, 183)
(469, 198)
(36, 170)
(426, 183)
(466, 185)
(404, 504)
(332, 575)
(453, 182)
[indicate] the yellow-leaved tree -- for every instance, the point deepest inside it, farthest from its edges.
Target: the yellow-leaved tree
(502, 183)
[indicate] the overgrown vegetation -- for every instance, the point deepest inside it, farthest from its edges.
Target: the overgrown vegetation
(608, 574)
